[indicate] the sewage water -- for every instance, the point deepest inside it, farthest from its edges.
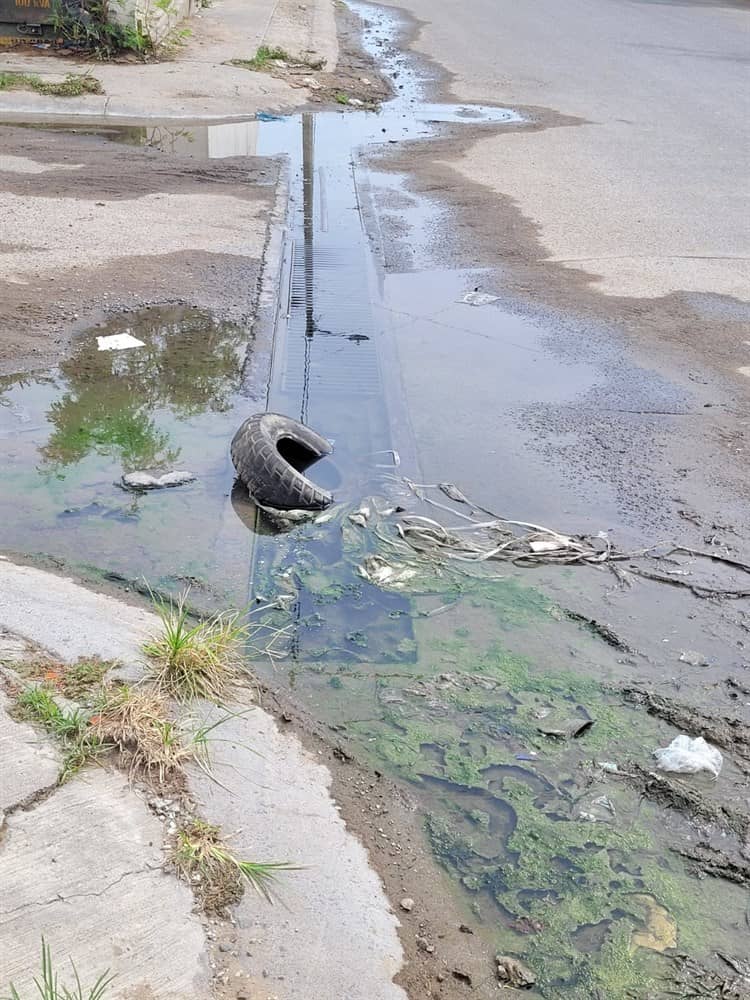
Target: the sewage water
(447, 681)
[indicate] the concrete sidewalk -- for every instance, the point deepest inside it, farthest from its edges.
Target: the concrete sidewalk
(82, 864)
(197, 83)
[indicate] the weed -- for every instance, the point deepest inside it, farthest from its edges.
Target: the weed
(49, 987)
(97, 33)
(195, 661)
(341, 98)
(70, 726)
(217, 875)
(79, 678)
(73, 85)
(267, 55)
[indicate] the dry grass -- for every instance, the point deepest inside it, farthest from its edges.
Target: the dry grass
(218, 876)
(74, 680)
(135, 722)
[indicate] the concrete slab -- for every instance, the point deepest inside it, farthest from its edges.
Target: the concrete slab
(198, 83)
(27, 762)
(335, 936)
(83, 869)
(69, 620)
(332, 935)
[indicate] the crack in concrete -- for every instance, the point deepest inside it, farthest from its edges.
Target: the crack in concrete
(80, 895)
(33, 799)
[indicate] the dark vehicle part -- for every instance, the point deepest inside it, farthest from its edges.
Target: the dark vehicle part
(34, 19)
(270, 453)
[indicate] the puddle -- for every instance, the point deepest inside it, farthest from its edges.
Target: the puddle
(68, 436)
(449, 701)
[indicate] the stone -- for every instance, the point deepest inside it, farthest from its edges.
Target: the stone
(407, 904)
(145, 481)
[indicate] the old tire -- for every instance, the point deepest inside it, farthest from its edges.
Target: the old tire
(270, 453)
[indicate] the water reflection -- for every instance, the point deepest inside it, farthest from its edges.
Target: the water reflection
(189, 364)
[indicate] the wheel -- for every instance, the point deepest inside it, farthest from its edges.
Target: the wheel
(270, 453)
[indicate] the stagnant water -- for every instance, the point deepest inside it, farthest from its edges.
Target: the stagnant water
(447, 681)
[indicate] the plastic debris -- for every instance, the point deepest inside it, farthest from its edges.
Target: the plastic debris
(514, 973)
(608, 765)
(145, 481)
(688, 756)
(527, 756)
(361, 516)
(565, 728)
(477, 298)
(266, 116)
(379, 571)
(118, 342)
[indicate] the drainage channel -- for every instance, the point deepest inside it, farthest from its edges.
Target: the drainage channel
(554, 860)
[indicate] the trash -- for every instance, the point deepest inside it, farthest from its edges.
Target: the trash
(565, 728)
(118, 342)
(266, 116)
(601, 810)
(688, 756)
(548, 545)
(361, 516)
(514, 973)
(379, 571)
(453, 492)
(356, 102)
(477, 298)
(526, 756)
(145, 481)
(608, 765)
(693, 658)
(660, 932)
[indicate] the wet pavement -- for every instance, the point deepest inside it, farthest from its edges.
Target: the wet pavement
(449, 682)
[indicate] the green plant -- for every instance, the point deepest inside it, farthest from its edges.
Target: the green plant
(341, 98)
(73, 85)
(80, 743)
(195, 660)
(266, 55)
(50, 988)
(218, 875)
(97, 33)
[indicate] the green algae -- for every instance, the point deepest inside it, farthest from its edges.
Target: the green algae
(554, 854)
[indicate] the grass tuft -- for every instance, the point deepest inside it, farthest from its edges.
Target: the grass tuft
(50, 988)
(132, 722)
(136, 724)
(196, 661)
(70, 726)
(73, 85)
(266, 55)
(341, 98)
(218, 876)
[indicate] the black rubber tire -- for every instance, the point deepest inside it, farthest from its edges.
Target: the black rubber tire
(270, 478)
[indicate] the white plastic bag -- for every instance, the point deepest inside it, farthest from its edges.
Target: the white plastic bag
(687, 756)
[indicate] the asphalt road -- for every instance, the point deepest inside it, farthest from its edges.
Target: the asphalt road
(649, 189)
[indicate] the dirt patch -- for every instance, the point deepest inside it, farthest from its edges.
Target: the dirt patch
(101, 228)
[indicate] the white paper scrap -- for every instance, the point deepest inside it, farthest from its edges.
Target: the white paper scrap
(118, 342)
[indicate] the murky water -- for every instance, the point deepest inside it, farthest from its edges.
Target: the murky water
(447, 681)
